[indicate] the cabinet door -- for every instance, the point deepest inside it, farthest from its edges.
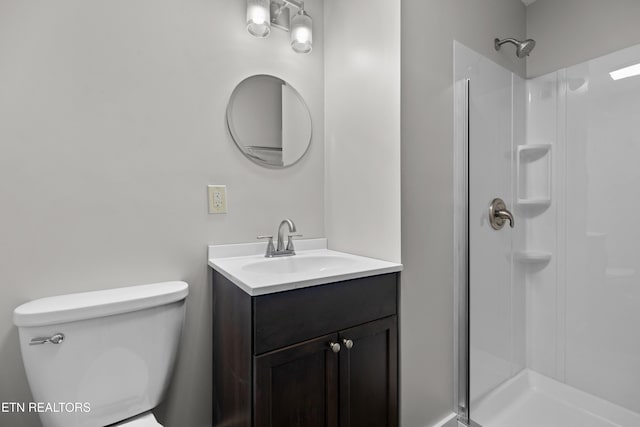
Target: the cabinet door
(297, 386)
(369, 375)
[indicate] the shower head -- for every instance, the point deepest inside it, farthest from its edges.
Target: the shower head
(524, 48)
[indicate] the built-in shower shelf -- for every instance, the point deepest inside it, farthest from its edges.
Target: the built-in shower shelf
(533, 257)
(534, 175)
(531, 152)
(534, 202)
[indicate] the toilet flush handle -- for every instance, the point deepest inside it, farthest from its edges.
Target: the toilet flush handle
(56, 338)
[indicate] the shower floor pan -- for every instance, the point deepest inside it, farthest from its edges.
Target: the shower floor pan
(533, 400)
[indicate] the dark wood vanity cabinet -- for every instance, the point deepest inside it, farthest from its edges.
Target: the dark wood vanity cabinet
(274, 366)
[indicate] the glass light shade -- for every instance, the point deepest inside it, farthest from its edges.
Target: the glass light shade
(258, 18)
(301, 33)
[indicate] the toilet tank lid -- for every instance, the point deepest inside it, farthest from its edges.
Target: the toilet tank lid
(88, 305)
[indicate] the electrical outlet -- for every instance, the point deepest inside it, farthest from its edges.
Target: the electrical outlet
(217, 199)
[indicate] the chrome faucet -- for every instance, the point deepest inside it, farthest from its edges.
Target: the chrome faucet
(280, 249)
(292, 229)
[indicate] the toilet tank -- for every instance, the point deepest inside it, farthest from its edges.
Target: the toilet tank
(115, 360)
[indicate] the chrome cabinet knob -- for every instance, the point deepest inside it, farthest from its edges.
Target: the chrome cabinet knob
(348, 343)
(335, 347)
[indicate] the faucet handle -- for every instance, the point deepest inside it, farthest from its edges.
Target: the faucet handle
(270, 248)
(290, 241)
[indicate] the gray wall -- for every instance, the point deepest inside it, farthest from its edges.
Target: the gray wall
(362, 127)
(572, 31)
(428, 31)
(112, 123)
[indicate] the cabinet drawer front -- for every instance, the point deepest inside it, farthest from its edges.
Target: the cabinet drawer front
(289, 317)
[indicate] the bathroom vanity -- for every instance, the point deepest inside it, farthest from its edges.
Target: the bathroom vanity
(320, 352)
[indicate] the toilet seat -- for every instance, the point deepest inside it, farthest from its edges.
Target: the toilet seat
(144, 420)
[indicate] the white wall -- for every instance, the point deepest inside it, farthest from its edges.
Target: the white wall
(112, 123)
(428, 31)
(572, 31)
(362, 127)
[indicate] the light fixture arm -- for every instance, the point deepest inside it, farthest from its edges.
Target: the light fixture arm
(285, 3)
(298, 4)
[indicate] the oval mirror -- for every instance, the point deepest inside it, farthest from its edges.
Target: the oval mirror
(269, 121)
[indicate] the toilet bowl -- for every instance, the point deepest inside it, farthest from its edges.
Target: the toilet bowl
(94, 359)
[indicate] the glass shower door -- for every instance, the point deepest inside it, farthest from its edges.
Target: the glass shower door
(495, 127)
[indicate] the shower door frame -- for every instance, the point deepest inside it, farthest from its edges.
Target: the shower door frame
(461, 252)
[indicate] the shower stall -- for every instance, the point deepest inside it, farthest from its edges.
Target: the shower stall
(547, 311)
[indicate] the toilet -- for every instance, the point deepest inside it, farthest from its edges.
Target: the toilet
(102, 358)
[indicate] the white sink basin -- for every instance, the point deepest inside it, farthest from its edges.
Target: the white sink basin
(313, 264)
(294, 264)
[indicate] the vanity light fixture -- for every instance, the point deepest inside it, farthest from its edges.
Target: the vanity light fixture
(264, 14)
(625, 72)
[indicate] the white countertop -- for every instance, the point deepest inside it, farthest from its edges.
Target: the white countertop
(246, 266)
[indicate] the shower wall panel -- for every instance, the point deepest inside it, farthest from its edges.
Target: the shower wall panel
(544, 292)
(583, 308)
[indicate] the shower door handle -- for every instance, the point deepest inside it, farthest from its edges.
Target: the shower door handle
(499, 214)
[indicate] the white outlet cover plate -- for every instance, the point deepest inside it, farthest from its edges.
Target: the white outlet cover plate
(217, 196)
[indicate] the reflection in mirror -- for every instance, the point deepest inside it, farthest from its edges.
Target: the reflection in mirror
(269, 121)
